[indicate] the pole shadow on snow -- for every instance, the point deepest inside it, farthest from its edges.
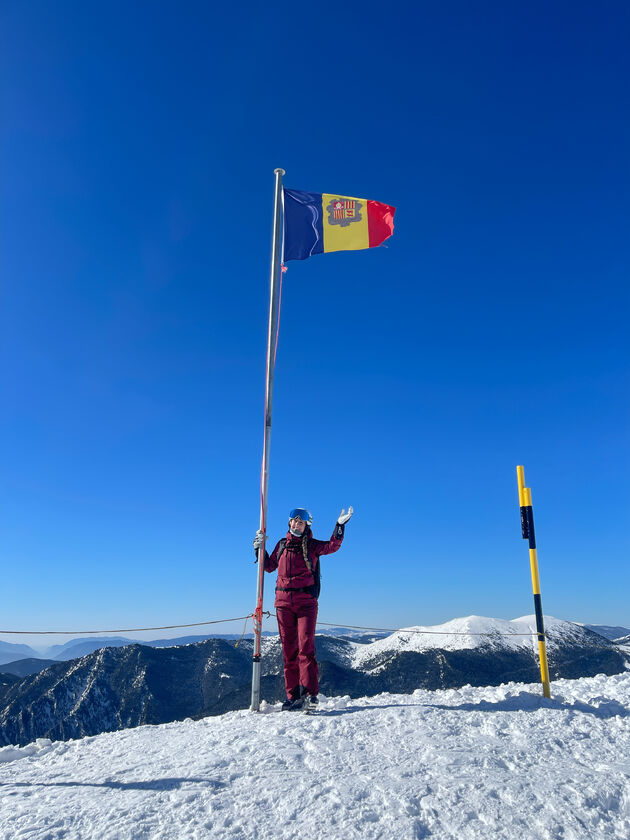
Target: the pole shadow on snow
(337, 712)
(525, 702)
(151, 784)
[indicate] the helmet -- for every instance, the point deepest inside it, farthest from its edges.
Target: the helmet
(303, 514)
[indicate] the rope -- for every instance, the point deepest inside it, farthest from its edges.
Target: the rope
(124, 630)
(243, 633)
(612, 645)
(549, 637)
(430, 632)
(241, 618)
(283, 268)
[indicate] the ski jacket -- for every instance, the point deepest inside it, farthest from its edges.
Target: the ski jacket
(293, 572)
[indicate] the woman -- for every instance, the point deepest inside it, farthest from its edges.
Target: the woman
(297, 589)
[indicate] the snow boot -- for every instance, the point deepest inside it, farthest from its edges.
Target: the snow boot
(294, 697)
(304, 700)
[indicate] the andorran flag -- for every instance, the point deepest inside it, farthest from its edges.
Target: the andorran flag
(315, 223)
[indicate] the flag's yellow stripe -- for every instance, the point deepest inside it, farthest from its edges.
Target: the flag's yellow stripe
(351, 237)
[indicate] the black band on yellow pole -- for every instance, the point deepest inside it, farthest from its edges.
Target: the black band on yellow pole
(540, 625)
(524, 523)
(531, 534)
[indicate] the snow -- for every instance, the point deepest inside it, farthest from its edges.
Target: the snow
(464, 764)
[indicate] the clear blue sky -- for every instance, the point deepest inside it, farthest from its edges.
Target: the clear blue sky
(138, 144)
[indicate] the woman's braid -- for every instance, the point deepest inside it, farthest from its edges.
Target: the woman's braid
(307, 559)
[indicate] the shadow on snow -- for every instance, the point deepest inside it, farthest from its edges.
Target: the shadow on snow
(522, 702)
(152, 784)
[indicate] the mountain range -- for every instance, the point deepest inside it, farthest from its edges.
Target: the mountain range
(119, 687)
(14, 653)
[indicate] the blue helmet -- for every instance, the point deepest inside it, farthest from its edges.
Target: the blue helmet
(303, 514)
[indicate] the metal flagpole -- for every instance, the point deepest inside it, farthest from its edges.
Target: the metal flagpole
(264, 479)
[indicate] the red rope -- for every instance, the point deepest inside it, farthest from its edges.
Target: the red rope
(275, 350)
(283, 268)
(258, 612)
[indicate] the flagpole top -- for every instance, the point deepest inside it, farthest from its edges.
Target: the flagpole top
(279, 172)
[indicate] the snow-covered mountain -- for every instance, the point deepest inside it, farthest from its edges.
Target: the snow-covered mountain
(116, 688)
(77, 647)
(461, 764)
(476, 632)
(82, 646)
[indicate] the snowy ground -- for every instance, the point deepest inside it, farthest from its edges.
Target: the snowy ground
(498, 762)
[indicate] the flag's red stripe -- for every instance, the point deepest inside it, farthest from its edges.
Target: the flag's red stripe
(380, 222)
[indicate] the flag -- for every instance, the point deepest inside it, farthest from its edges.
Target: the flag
(315, 223)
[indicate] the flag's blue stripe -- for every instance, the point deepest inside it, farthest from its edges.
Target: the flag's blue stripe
(303, 232)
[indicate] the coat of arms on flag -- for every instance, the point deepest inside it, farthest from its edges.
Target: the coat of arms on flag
(316, 223)
(343, 211)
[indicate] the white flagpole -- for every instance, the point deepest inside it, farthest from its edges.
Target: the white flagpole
(264, 481)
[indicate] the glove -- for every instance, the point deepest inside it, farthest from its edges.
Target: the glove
(258, 539)
(343, 516)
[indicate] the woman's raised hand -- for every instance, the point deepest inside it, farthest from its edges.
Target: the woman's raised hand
(343, 516)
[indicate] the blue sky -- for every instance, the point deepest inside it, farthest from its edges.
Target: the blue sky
(139, 143)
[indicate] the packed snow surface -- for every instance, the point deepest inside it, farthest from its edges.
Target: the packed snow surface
(495, 762)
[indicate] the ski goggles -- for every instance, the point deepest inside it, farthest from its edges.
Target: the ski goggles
(301, 513)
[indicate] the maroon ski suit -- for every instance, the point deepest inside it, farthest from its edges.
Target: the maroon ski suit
(296, 608)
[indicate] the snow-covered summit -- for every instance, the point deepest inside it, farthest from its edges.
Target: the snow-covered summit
(473, 631)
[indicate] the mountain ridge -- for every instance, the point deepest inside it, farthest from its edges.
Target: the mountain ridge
(120, 687)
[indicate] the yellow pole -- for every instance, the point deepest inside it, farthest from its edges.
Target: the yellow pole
(527, 528)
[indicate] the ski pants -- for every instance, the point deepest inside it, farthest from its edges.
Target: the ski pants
(296, 622)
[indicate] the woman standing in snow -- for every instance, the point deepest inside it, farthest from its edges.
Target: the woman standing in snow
(296, 557)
